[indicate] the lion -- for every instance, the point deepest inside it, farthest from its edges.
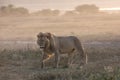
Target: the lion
(56, 45)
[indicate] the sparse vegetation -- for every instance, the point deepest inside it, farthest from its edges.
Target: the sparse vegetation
(103, 64)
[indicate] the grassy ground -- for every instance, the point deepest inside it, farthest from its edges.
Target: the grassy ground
(103, 64)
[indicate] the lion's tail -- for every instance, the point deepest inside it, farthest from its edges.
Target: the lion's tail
(80, 49)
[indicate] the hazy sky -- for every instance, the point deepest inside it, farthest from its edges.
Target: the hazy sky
(60, 4)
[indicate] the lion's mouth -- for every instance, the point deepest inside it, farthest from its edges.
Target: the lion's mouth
(42, 47)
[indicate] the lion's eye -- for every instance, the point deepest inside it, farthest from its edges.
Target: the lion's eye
(47, 37)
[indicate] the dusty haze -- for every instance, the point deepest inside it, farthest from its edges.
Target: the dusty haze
(98, 31)
(27, 27)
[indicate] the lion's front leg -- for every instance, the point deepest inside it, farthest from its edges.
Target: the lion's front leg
(42, 64)
(42, 59)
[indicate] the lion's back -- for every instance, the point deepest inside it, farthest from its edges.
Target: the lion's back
(66, 43)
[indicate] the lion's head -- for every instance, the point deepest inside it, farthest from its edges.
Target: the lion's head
(43, 40)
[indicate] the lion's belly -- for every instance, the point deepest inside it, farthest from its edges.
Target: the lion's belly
(66, 48)
(66, 44)
(65, 51)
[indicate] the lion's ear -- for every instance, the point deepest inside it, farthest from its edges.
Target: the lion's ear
(39, 34)
(48, 35)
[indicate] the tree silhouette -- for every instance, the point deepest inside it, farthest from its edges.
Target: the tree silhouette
(47, 12)
(70, 13)
(86, 8)
(10, 6)
(3, 9)
(21, 11)
(55, 12)
(11, 10)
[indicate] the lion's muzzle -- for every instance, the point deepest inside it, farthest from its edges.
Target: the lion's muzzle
(41, 43)
(42, 47)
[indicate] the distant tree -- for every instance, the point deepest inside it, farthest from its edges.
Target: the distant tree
(70, 13)
(3, 9)
(11, 10)
(11, 6)
(55, 12)
(86, 8)
(47, 12)
(21, 11)
(6, 10)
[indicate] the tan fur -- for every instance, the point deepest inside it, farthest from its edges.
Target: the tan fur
(49, 56)
(56, 45)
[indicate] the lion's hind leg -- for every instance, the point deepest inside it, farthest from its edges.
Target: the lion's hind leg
(70, 58)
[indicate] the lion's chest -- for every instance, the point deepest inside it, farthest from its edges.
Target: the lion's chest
(48, 51)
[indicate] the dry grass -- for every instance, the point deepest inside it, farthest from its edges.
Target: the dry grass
(103, 63)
